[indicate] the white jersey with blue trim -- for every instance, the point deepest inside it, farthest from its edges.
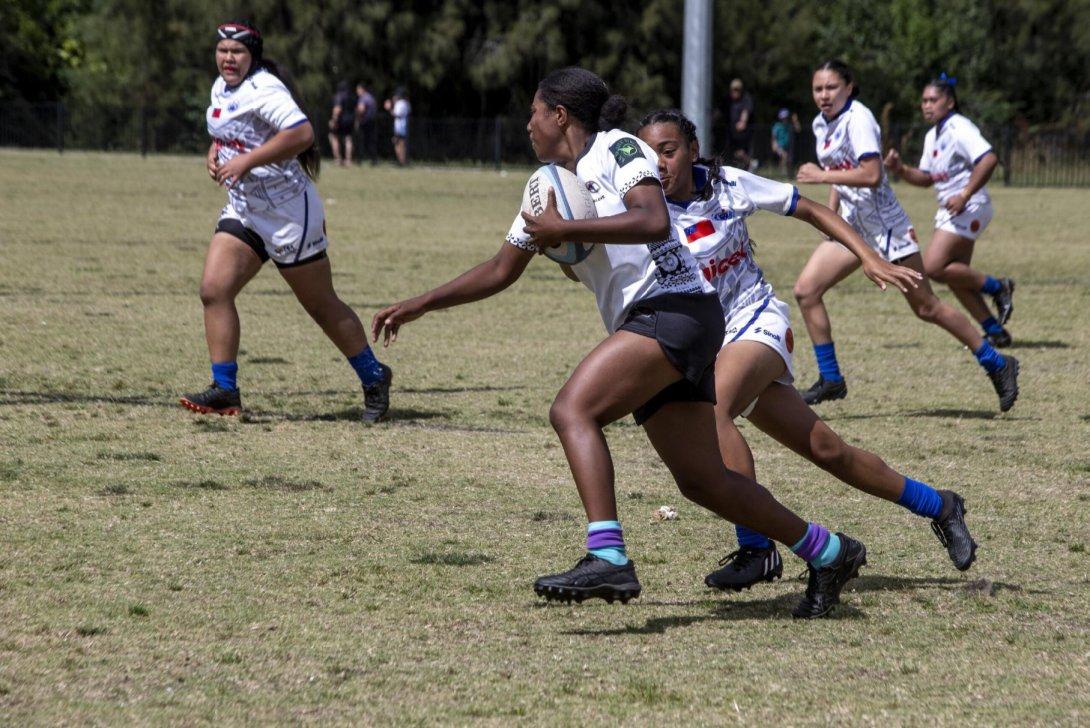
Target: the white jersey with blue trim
(242, 118)
(842, 143)
(715, 231)
(621, 275)
(950, 151)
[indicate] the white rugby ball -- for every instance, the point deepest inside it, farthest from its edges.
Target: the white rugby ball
(573, 200)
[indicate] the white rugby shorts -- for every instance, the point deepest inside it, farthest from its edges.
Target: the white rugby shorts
(969, 223)
(892, 244)
(290, 233)
(767, 321)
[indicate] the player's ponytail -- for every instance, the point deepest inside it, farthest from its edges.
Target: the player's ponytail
(843, 70)
(945, 85)
(585, 96)
(688, 130)
(310, 158)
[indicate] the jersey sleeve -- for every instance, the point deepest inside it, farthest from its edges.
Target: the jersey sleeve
(765, 194)
(628, 161)
(972, 142)
(863, 134)
(274, 104)
(518, 238)
(925, 156)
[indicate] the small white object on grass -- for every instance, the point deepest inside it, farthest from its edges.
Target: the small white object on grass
(666, 513)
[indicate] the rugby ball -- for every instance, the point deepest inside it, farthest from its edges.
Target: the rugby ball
(573, 200)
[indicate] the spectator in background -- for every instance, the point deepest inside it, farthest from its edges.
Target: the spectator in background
(366, 110)
(398, 106)
(342, 123)
(783, 139)
(740, 131)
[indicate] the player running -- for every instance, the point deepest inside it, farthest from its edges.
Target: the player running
(263, 152)
(665, 327)
(848, 147)
(709, 204)
(958, 161)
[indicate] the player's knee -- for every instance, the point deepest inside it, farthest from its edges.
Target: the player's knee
(806, 293)
(935, 270)
(829, 451)
(928, 309)
(213, 294)
(562, 414)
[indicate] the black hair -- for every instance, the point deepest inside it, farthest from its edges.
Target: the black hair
(688, 130)
(843, 70)
(586, 97)
(945, 85)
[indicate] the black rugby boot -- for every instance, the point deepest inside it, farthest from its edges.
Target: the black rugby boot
(823, 390)
(213, 401)
(952, 532)
(376, 397)
(1004, 300)
(591, 577)
(824, 585)
(745, 567)
(999, 340)
(1005, 381)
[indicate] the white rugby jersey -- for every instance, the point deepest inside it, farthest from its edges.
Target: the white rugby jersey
(950, 151)
(621, 275)
(242, 118)
(715, 231)
(842, 143)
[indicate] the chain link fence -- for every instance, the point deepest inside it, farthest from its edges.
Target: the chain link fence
(1056, 156)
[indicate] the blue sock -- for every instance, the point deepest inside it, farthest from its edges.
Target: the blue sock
(817, 546)
(991, 286)
(606, 541)
(991, 326)
(826, 361)
(367, 366)
(989, 358)
(225, 374)
(750, 539)
(920, 498)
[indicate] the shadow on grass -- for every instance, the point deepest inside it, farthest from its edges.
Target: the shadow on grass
(1039, 344)
(937, 412)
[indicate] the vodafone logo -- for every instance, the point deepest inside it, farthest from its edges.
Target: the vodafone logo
(716, 268)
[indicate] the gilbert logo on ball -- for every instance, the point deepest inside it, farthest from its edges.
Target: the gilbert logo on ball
(573, 201)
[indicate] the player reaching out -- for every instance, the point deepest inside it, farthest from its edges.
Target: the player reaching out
(709, 204)
(263, 152)
(849, 148)
(665, 326)
(958, 161)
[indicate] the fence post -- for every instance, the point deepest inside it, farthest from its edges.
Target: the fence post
(1008, 147)
(60, 127)
(143, 130)
(497, 143)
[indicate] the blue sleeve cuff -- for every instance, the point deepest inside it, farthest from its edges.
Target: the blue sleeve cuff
(302, 121)
(794, 202)
(982, 156)
(867, 155)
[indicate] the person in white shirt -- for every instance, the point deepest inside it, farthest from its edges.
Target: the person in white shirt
(709, 204)
(399, 108)
(849, 148)
(263, 152)
(665, 326)
(958, 161)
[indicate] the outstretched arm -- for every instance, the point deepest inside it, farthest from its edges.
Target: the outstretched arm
(982, 172)
(834, 226)
(867, 174)
(482, 281)
(913, 176)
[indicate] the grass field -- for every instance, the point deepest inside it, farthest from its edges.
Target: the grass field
(294, 566)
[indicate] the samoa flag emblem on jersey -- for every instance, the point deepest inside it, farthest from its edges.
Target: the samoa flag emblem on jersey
(698, 230)
(216, 112)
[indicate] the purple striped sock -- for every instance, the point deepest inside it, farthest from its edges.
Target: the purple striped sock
(813, 543)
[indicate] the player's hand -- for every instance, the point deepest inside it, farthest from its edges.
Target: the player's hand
(956, 204)
(212, 166)
(810, 173)
(547, 229)
(389, 320)
(883, 272)
(893, 161)
(230, 172)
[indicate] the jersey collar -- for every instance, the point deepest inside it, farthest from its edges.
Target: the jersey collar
(590, 143)
(943, 120)
(842, 110)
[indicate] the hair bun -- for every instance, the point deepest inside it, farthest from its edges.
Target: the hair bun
(613, 113)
